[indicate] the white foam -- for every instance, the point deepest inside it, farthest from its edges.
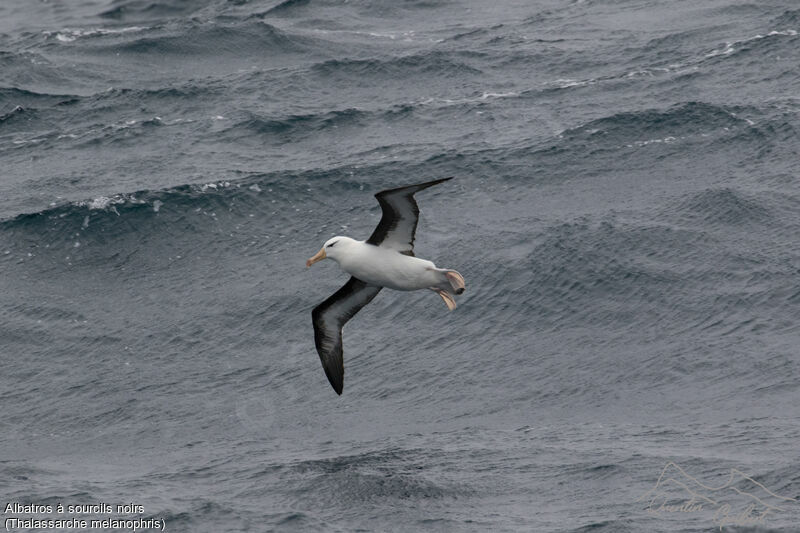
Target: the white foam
(564, 83)
(486, 95)
(100, 203)
(104, 202)
(68, 35)
(215, 186)
(729, 48)
(665, 140)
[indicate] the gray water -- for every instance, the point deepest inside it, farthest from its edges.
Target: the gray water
(625, 211)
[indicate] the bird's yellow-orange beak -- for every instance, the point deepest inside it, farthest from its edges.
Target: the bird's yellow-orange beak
(319, 256)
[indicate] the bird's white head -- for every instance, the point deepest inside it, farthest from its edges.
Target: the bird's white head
(332, 249)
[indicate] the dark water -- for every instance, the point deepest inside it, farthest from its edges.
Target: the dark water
(626, 212)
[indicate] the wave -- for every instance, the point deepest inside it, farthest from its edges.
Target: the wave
(36, 73)
(293, 8)
(384, 475)
(607, 526)
(194, 37)
(300, 125)
(16, 115)
(69, 35)
(673, 42)
(360, 487)
(26, 98)
(642, 275)
(97, 118)
(181, 93)
(295, 127)
(608, 273)
(287, 7)
(608, 263)
(789, 18)
(108, 99)
(438, 63)
(674, 55)
(136, 213)
(106, 216)
(761, 45)
(475, 33)
(656, 125)
(727, 206)
(148, 9)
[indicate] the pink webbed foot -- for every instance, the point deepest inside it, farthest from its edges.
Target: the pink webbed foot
(447, 297)
(456, 281)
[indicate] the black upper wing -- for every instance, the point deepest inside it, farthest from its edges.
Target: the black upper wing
(329, 317)
(400, 215)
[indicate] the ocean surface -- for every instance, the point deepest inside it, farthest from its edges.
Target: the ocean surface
(625, 210)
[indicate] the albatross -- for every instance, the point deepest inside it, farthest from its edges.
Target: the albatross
(385, 259)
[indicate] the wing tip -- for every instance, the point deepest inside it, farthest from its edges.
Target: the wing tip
(417, 186)
(337, 384)
(437, 181)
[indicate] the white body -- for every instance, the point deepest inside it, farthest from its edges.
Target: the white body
(383, 266)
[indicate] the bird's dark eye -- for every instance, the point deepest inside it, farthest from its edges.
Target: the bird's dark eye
(331, 244)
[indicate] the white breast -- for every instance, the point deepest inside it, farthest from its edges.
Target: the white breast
(388, 268)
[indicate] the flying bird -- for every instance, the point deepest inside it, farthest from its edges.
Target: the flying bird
(386, 259)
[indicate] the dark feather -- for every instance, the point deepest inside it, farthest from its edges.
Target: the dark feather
(398, 223)
(329, 317)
